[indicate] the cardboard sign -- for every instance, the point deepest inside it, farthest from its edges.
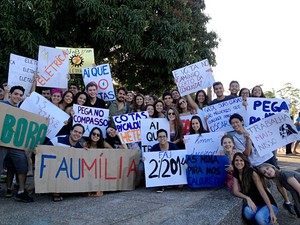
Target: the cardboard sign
(204, 144)
(91, 117)
(273, 132)
(194, 77)
(101, 75)
(62, 170)
(20, 129)
(206, 171)
(129, 126)
(53, 67)
(21, 72)
(259, 108)
(165, 168)
(149, 128)
(218, 114)
(39, 105)
(79, 58)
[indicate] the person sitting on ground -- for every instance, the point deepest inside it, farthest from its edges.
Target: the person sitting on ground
(289, 179)
(113, 138)
(259, 205)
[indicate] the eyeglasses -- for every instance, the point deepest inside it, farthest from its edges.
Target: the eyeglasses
(96, 134)
(180, 103)
(161, 137)
(171, 113)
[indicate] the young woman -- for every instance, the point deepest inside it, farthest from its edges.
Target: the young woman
(66, 101)
(150, 110)
(56, 96)
(227, 143)
(152, 99)
(257, 92)
(196, 125)
(129, 98)
(288, 179)
(81, 98)
(138, 103)
(260, 205)
(244, 93)
(184, 107)
(113, 139)
(176, 127)
(159, 109)
(202, 99)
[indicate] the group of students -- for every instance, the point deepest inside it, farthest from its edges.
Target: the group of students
(244, 173)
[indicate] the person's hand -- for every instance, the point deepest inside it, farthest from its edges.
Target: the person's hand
(273, 218)
(229, 168)
(251, 204)
(86, 148)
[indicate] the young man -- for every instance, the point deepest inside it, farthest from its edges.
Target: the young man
(91, 89)
(163, 143)
(46, 92)
(234, 88)
(74, 88)
(119, 106)
(16, 160)
(219, 91)
(168, 100)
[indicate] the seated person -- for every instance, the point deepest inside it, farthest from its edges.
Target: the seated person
(164, 144)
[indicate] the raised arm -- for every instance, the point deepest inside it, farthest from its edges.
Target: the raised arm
(294, 183)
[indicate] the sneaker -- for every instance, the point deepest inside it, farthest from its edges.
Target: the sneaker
(8, 193)
(24, 197)
(160, 190)
(289, 207)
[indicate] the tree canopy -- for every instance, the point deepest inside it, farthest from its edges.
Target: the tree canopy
(143, 41)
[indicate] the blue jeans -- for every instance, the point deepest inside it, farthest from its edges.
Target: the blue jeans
(262, 215)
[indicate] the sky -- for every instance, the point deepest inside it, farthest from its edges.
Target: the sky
(260, 42)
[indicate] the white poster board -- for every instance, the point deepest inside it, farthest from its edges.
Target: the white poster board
(165, 168)
(149, 128)
(204, 144)
(53, 67)
(218, 114)
(21, 72)
(129, 126)
(101, 75)
(259, 108)
(273, 132)
(194, 77)
(39, 105)
(91, 117)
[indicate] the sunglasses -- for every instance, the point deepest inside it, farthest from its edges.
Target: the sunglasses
(171, 113)
(96, 134)
(180, 103)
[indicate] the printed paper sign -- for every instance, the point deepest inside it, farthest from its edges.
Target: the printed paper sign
(273, 132)
(149, 128)
(79, 58)
(101, 75)
(194, 77)
(91, 117)
(218, 114)
(259, 108)
(63, 170)
(21, 72)
(206, 171)
(20, 129)
(39, 105)
(204, 144)
(129, 126)
(165, 168)
(53, 67)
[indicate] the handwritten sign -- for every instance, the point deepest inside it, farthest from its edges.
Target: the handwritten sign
(165, 168)
(91, 117)
(193, 77)
(204, 144)
(206, 171)
(259, 108)
(79, 58)
(21, 72)
(218, 114)
(53, 66)
(20, 129)
(129, 126)
(273, 132)
(77, 170)
(39, 105)
(101, 75)
(149, 128)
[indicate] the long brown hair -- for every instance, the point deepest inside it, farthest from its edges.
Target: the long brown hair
(177, 124)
